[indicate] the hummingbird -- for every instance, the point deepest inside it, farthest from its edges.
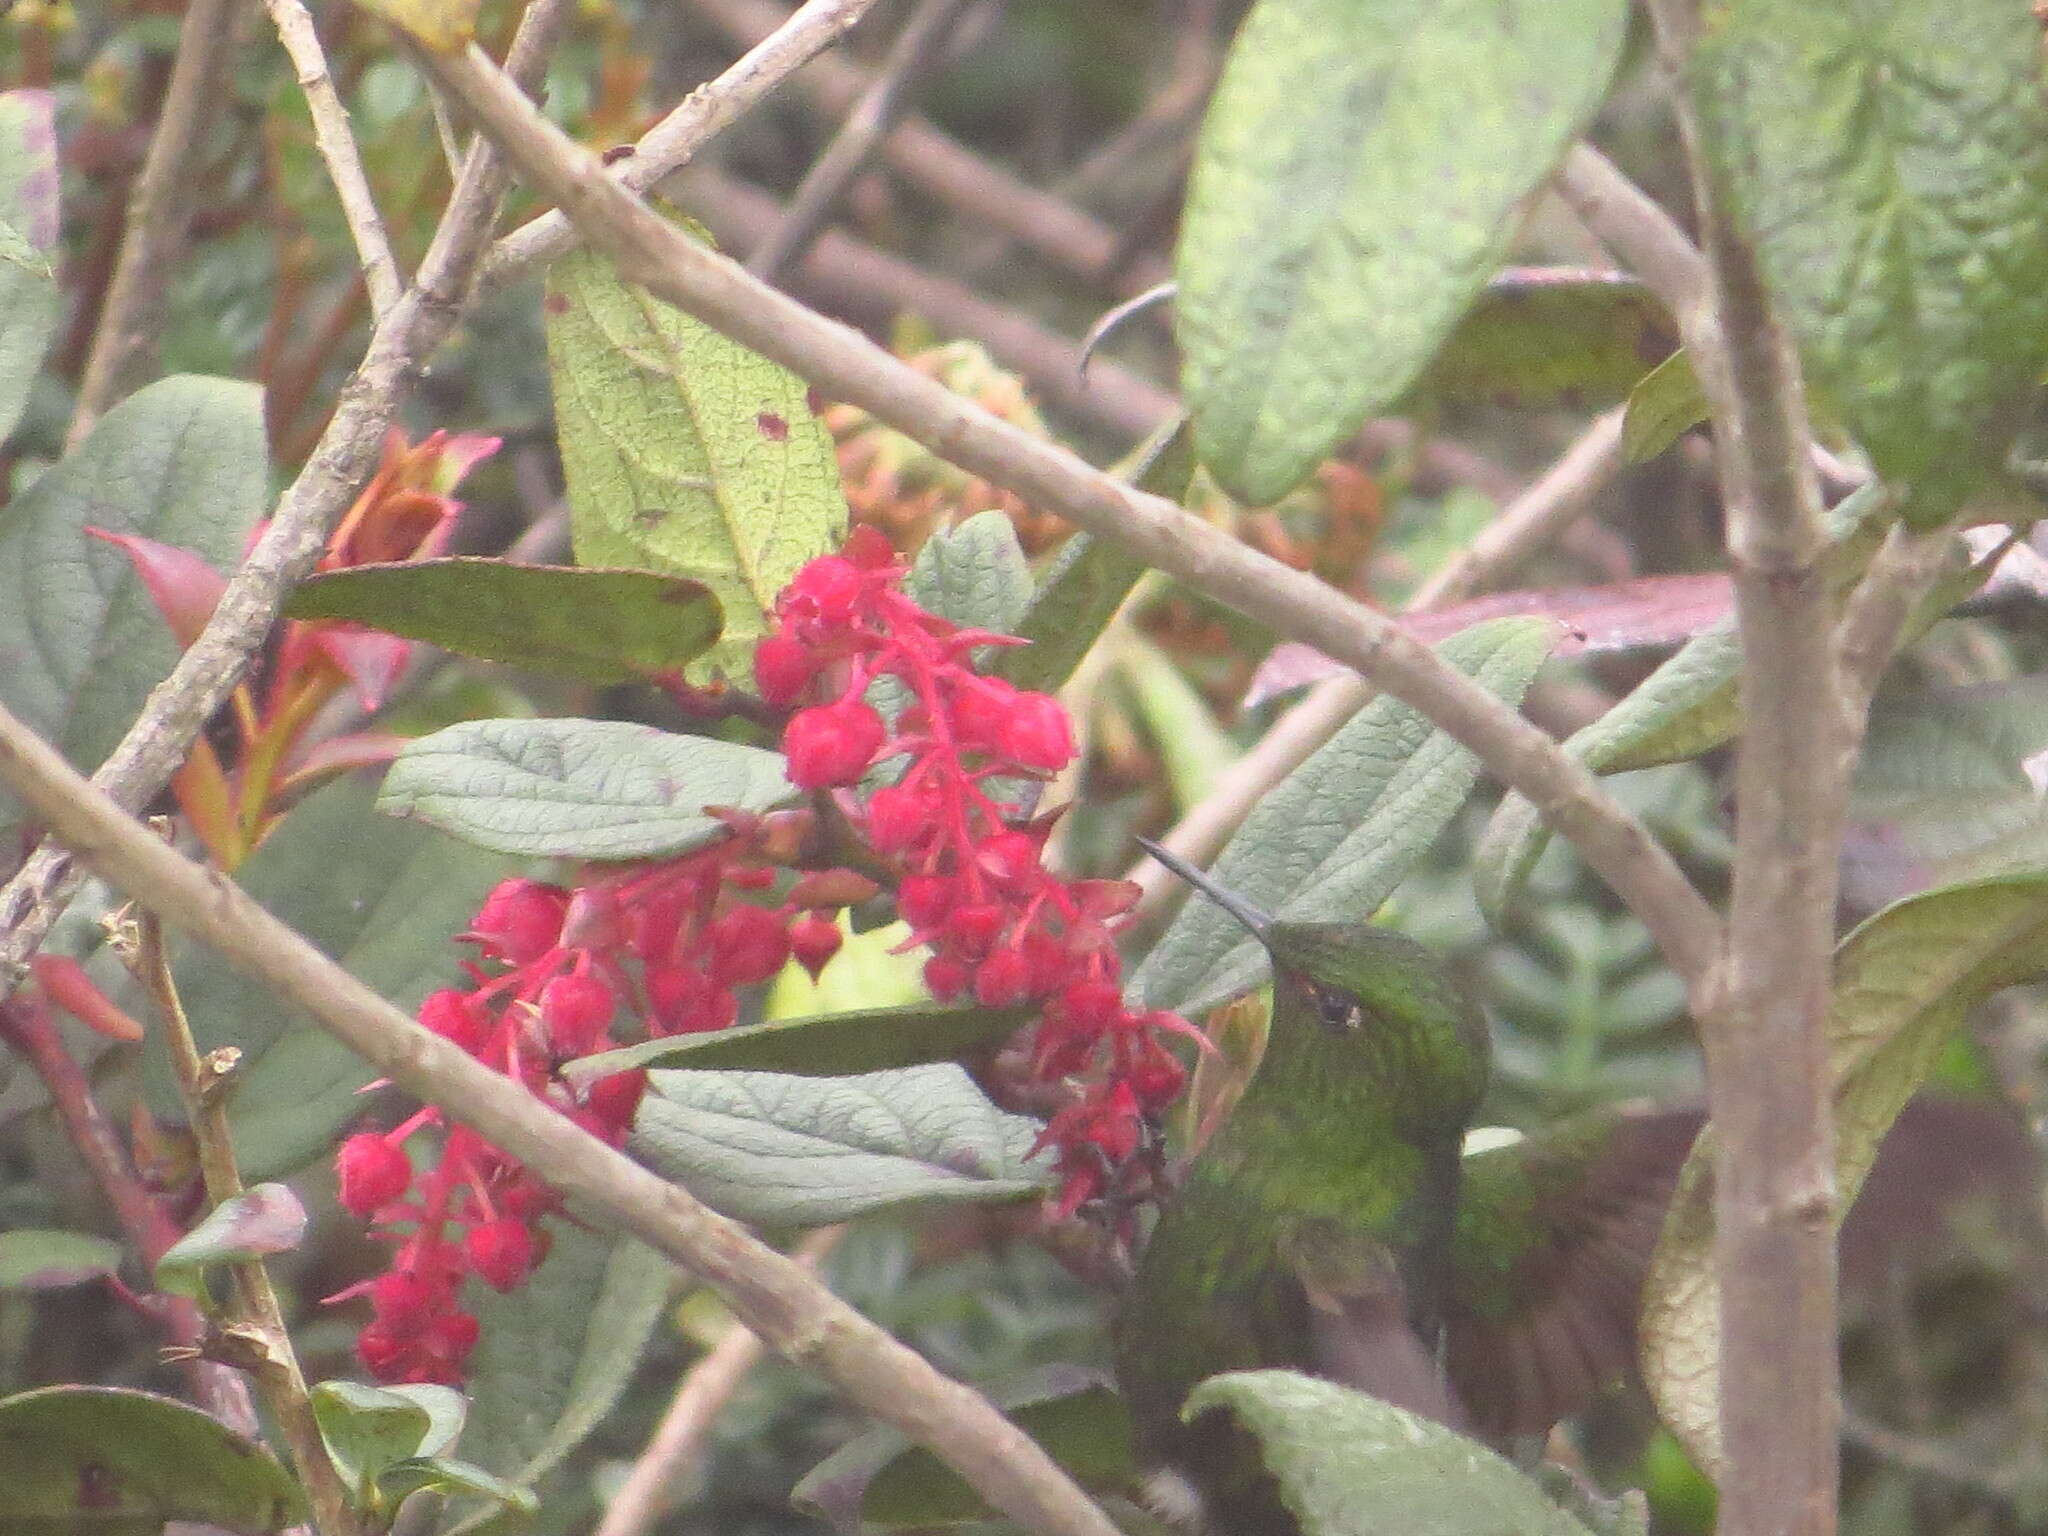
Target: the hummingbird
(1334, 1225)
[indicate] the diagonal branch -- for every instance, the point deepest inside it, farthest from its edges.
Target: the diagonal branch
(654, 253)
(772, 1294)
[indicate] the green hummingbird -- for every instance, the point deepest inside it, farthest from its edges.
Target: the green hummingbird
(1334, 1226)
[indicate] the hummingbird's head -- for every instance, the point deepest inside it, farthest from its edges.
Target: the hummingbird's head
(1327, 963)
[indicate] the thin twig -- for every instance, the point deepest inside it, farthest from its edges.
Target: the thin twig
(159, 209)
(1646, 239)
(295, 29)
(256, 1323)
(654, 253)
(1874, 620)
(1770, 1085)
(25, 1026)
(136, 771)
(669, 144)
(916, 49)
(770, 1293)
(647, 1493)
(1534, 518)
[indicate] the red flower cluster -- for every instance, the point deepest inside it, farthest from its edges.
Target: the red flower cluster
(972, 885)
(670, 942)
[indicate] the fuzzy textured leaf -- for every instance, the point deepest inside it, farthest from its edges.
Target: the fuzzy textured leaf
(556, 1353)
(1904, 979)
(262, 1220)
(87, 1459)
(38, 1259)
(880, 1480)
(685, 451)
(975, 574)
(828, 1045)
(600, 626)
(1550, 338)
(81, 645)
(30, 304)
(579, 789)
(1890, 159)
(1339, 833)
(383, 898)
(1352, 1465)
(807, 1151)
(1355, 184)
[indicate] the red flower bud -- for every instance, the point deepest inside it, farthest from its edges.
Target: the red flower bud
(924, 900)
(1004, 978)
(1037, 733)
(897, 817)
(827, 589)
(971, 930)
(947, 978)
(783, 668)
(457, 1018)
(832, 744)
(868, 548)
(371, 1173)
(981, 712)
(813, 940)
(614, 1101)
(500, 1251)
(748, 944)
(520, 920)
(575, 1012)
(1008, 857)
(404, 1300)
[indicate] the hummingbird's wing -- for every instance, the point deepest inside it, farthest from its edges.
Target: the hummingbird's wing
(1554, 1236)
(1359, 1332)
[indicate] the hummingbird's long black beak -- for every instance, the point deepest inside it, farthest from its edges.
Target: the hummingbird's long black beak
(1229, 901)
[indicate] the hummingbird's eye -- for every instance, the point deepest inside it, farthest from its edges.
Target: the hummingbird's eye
(1339, 1010)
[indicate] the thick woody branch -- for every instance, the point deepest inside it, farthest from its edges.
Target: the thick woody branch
(654, 253)
(773, 1295)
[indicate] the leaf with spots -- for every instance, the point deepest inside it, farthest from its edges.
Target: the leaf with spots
(685, 452)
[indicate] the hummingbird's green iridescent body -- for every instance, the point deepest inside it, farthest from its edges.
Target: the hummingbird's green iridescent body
(1331, 1226)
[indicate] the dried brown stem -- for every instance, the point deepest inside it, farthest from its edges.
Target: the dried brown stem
(911, 56)
(768, 1292)
(255, 1321)
(159, 209)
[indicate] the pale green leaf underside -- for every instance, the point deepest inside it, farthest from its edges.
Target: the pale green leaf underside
(1356, 183)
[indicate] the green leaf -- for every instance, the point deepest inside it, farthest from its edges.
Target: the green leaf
(86, 1459)
(445, 1474)
(807, 1151)
(880, 1479)
(1337, 835)
(181, 461)
(1904, 979)
(30, 304)
(262, 1220)
(1192, 745)
(974, 574)
(555, 1354)
(579, 789)
(38, 1259)
(1687, 707)
(685, 451)
(1542, 338)
(600, 626)
(829, 1045)
(1890, 160)
(1666, 405)
(1351, 1465)
(368, 1429)
(1090, 578)
(1356, 183)
(387, 903)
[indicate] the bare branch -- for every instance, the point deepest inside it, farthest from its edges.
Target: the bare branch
(1642, 235)
(1770, 1085)
(706, 111)
(846, 366)
(771, 1294)
(645, 1496)
(295, 29)
(160, 209)
(916, 49)
(1532, 520)
(1874, 621)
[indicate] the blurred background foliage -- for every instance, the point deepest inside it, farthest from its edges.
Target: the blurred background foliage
(1094, 104)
